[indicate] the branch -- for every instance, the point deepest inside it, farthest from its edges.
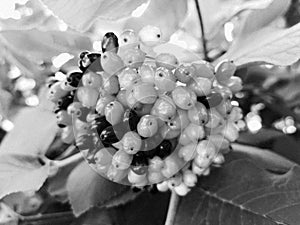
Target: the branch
(45, 219)
(173, 205)
(202, 31)
(72, 159)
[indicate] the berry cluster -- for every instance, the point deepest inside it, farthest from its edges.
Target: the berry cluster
(143, 120)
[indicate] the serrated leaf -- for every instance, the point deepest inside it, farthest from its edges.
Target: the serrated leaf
(22, 172)
(147, 209)
(242, 193)
(167, 15)
(87, 189)
(81, 14)
(270, 45)
(43, 45)
(34, 130)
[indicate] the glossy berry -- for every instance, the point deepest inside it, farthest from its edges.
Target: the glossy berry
(164, 108)
(110, 42)
(166, 60)
(108, 136)
(188, 152)
(127, 77)
(140, 159)
(194, 132)
(102, 102)
(147, 126)
(115, 174)
(231, 131)
(150, 35)
(224, 108)
(129, 37)
(87, 59)
(87, 96)
(163, 186)
(92, 80)
(145, 93)
(156, 164)
(198, 114)
(99, 124)
(215, 119)
(164, 149)
(200, 85)
(214, 99)
(63, 119)
(111, 63)
(73, 78)
(114, 112)
(164, 79)
(147, 73)
(133, 57)
(206, 149)
(137, 176)
(189, 178)
(132, 142)
(224, 71)
(104, 156)
(204, 69)
(202, 162)
(235, 84)
(184, 73)
(182, 189)
(64, 102)
(56, 92)
(121, 97)
(155, 177)
(174, 181)
(183, 97)
(121, 160)
(143, 109)
(111, 85)
(172, 166)
(184, 139)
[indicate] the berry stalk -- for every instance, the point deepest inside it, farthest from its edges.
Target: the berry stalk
(173, 205)
(202, 31)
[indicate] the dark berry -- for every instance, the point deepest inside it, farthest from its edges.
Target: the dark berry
(164, 149)
(203, 100)
(83, 54)
(100, 123)
(110, 42)
(139, 159)
(64, 102)
(108, 136)
(74, 78)
(131, 117)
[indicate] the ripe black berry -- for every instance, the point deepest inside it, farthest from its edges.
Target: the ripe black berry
(74, 78)
(110, 42)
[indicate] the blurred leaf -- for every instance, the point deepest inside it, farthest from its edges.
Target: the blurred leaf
(274, 46)
(94, 217)
(22, 172)
(34, 130)
(167, 15)
(7, 215)
(87, 189)
(43, 45)
(81, 14)
(242, 193)
(147, 209)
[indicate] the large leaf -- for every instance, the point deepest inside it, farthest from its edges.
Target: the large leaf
(87, 189)
(34, 130)
(242, 193)
(22, 172)
(167, 15)
(147, 209)
(43, 45)
(275, 46)
(80, 14)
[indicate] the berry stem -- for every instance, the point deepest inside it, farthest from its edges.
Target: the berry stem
(202, 31)
(72, 159)
(173, 205)
(44, 219)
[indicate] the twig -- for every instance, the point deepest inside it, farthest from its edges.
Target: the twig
(173, 205)
(202, 31)
(45, 219)
(72, 159)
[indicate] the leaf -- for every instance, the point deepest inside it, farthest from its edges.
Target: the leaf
(274, 46)
(43, 45)
(147, 209)
(34, 130)
(7, 215)
(81, 14)
(242, 193)
(167, 15)
(94, 217)
(87, 189)
(22, 172)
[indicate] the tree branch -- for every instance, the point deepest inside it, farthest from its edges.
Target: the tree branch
(45, 219)
(202, 31)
